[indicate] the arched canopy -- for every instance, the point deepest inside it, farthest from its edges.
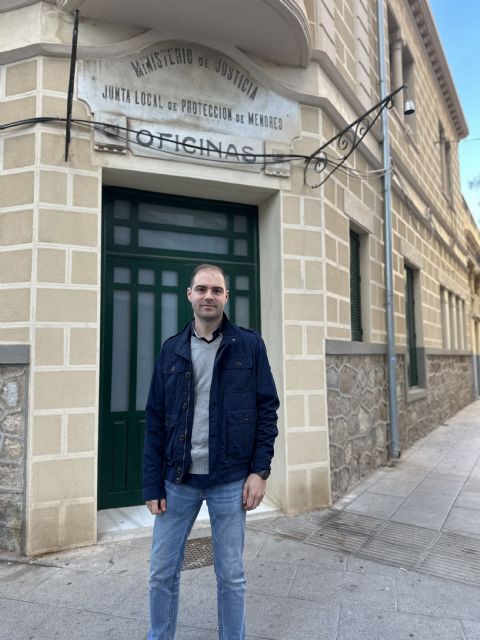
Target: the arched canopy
(274, 30)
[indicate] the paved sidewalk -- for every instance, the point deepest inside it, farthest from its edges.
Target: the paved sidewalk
(396, 559)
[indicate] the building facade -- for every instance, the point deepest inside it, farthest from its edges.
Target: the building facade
(191, 125)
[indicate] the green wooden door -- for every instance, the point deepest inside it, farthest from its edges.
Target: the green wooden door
(152, 244)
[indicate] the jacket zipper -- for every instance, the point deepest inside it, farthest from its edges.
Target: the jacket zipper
(190, 382)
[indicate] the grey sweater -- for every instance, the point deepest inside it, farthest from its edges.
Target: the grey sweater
(203, 359)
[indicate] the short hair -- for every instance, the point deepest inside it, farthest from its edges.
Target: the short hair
(204, 267)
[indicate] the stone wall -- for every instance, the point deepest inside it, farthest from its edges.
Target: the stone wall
(12, 456)
(357, 399)
(449, 389)
(357, 395)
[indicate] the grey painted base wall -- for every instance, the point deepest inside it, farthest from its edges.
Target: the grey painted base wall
(358, 415)
(12, 456)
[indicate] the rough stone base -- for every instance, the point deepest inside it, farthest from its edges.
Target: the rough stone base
(449, 389)
(357, 397)
(12, 454)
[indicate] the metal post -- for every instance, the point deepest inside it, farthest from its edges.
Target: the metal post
(387, 206)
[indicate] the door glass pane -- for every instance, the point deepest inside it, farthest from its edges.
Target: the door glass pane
(122, 235)
(145, 345)
(182, 241)
(242, 311)
(240, 247)
(240, 224)
(121, 275)
(120, 351)
(169, 278)
(157, 214)
(122, 210)
(242, 283)
(228, 280)
(169, 315)
(146, 276)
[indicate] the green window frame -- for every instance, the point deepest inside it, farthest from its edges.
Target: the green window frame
(355, 288)
(412, 357)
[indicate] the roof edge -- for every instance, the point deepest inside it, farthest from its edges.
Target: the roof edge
(426, 25)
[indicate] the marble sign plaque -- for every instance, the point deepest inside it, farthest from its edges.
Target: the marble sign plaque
(189, 87)
(154, 139)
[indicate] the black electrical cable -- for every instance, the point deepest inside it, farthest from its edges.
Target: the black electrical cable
(28, 121)
(275, 159)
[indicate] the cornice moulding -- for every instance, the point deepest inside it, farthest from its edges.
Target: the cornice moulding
(429, 34)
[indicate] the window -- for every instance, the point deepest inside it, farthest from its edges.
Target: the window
(453, 320)
(460, 323)
(355, 287)
(445, 162)
(445, 308)
(476, 351)
(412, 361)
(452, 301)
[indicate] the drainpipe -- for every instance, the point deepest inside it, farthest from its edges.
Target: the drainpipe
(387, 210)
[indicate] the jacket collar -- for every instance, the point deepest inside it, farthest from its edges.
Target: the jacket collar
(230, 334)
(215, 334)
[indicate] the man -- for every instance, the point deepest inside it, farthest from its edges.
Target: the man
(210, 429)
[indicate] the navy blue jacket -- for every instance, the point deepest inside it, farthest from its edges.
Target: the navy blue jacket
(243, 411)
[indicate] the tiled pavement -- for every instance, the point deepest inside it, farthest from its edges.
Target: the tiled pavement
(398, 558)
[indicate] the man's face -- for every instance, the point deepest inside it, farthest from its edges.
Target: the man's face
(208, 295)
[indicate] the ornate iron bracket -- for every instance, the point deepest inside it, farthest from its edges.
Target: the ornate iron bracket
(320, 163)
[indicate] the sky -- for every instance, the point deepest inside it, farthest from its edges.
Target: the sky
(458, 24)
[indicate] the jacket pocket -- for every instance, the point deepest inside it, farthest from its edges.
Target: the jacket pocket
(241, 426)
(238, 375)
(173, 376)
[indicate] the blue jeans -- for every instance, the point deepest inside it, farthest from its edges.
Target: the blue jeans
(170, 533)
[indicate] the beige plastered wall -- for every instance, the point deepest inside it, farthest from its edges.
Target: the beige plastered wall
(428, 226)
(51, 248)
(54, 298)
(50, 265)
(429, 229)
(51, 222)
(304, 285)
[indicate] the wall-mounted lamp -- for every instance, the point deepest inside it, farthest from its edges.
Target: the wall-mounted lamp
(408, 104)
(408, 107)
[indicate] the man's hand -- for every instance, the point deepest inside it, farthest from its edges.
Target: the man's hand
(156, 507)
(253, 491)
